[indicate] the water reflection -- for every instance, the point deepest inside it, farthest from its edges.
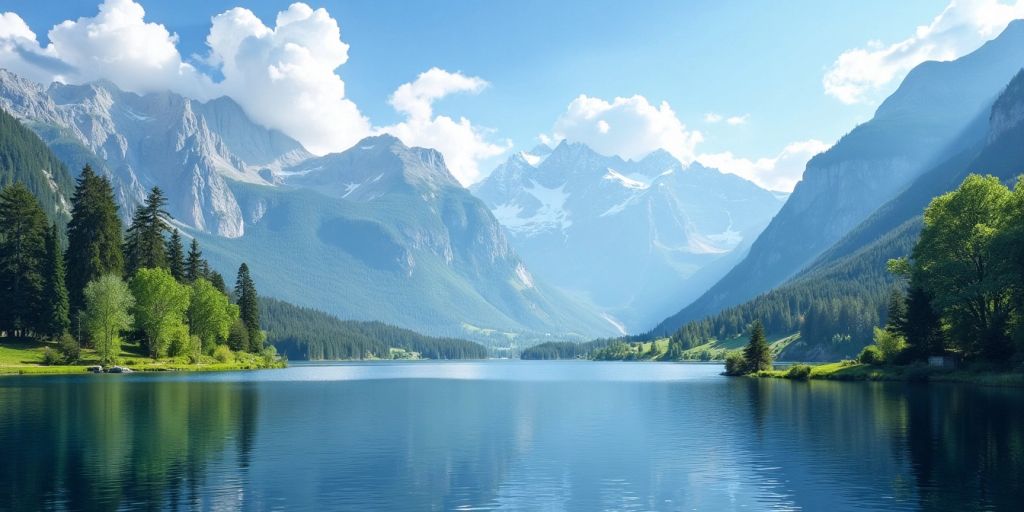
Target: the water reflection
(555, 436)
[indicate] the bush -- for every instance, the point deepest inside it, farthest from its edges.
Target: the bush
(223, 354)
(70, 350)
(798, 372)
(735, 364)
(51, 357)
(871, 355)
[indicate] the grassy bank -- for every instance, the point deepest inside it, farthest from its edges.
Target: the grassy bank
(26, 358)
(852, 371)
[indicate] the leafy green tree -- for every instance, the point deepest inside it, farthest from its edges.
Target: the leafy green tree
(736, 364)
(210, 314)
(194, 262)
(94, 236)
(55, 311)
(248, 307)
(22, 255)
(176, 256)
(108, 302)
(955, 261)
(889, 344)
(757, 352)
(238, 336)
(160, 306)
(145, 246)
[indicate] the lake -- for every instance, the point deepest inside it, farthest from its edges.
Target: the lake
(504, 435)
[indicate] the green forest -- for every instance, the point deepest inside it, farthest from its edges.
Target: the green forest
(112, 289)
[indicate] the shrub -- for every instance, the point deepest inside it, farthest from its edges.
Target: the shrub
(871, 355)
(889, 344)
(798, 372)
(51, 357)
(223, 354)
(70, 350)
(735, 364)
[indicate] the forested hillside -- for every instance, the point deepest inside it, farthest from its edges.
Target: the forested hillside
(24, 158)
(308, 334)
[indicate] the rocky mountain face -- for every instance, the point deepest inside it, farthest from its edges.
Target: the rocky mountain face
(188, 148)
(637, 238)
(379, 232)
(939, 111)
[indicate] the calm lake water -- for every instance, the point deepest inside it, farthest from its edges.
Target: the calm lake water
(504, 435)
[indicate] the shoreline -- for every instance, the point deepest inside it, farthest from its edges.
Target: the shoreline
(859, 372)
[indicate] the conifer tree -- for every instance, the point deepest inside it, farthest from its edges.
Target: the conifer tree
(248, 306)
(94, 236)
(217, 281)
(55, 313)
(757, 354)
(176, 256)
(897, 313)
(923, 327)
(22, 251)
(145, 246)
(194, 262)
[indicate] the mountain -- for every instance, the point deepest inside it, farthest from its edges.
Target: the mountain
(845, 290)
(940, 110)
(379, 232)
(636, 238)
(24, 158)
(190, 149)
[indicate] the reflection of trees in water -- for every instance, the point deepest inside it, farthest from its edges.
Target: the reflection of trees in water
(966, 447)
(104, 445)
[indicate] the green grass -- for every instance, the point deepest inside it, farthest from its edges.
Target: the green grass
(853, 371)
(25, 357)
(716, 350)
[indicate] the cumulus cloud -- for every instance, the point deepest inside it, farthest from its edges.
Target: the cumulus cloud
(737, 120)
(463, 145)
(627, 127)
(117, 44)
(780, 172)
(859, 74)
(712, 117)
(284, 76)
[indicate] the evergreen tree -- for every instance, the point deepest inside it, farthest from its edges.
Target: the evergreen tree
(194, 263)
(757, 354)
(897, 313)
(217, 281)
(145, 246)
(176, 256)
(94, 236)
(923, 327)
(238, 336)
(248, 306)
(22, 253)
(55, 312)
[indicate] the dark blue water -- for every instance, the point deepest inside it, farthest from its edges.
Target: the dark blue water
(504, 436)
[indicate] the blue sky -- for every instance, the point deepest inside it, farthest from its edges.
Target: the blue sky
(762, 63)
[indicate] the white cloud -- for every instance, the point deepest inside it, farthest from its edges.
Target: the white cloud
(859, 74)
(284, 76)
(627, 127)
(117, 44)
(463, 145)
(738, 120)
(712, 117)
(780, 172)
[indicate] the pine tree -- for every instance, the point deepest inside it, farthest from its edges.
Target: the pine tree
(757, 353)
(217, 281)
(145, 246)
(22, 252)
(94, 236)
(248, 305)
(194, 262)
(176, 256)
(897, 313)
(923, 326)
(55, 312)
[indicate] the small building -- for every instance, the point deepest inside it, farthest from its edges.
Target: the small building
(947, 361)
